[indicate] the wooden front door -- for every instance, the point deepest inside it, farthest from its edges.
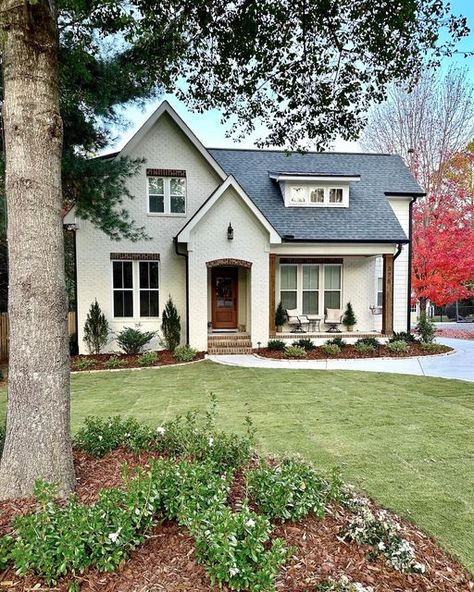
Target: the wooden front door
(224, 297)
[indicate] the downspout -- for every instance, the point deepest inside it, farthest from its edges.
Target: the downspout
(186, 256)
(410, 258)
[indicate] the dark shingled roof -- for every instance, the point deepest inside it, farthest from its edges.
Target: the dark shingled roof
(369, 216)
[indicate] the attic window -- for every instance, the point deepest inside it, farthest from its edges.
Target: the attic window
(313, 195)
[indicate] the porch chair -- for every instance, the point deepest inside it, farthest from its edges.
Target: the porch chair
(333, 318)
(295, 321)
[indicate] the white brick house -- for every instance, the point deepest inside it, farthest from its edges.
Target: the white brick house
(234, 232)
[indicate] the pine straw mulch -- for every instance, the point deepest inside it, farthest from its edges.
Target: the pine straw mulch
(165, 562)
(165, 358)
(350, 352)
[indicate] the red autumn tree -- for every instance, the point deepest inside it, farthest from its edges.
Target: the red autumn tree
(443, 246)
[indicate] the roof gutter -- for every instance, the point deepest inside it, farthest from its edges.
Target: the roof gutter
(186, 257)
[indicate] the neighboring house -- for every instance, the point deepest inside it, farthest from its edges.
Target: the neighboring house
(234, 232)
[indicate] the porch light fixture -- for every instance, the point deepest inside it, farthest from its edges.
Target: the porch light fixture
(230, 232)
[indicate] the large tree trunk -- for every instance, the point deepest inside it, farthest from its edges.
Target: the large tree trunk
(38, 442)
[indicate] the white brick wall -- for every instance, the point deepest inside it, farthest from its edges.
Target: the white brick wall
(400, 276)
(208, 242)
(165, 146)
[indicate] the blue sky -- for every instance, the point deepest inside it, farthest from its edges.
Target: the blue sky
(211, 132)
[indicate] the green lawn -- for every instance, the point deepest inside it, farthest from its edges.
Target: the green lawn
(407, 441)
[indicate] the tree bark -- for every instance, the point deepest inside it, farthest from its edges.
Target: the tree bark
(38, 441)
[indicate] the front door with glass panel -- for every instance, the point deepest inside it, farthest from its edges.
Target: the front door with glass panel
(224, 297)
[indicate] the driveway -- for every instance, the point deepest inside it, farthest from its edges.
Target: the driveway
(459, 364)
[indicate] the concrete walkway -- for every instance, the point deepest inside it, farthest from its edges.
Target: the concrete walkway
(459, 364)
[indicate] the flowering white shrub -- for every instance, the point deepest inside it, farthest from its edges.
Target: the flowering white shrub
(382, 532)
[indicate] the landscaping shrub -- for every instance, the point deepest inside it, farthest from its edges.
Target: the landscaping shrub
(373, 341)
(339, 341)
(280, 316)
(96, 329)
(426, 329)
(433, 347)
(290, 490)
(171, 325)
(276, 345)
(99, 436)
(133, 341)
(115, 362)
(383, 533)
(349, 319)
(364, 348)
(403, 336)
(399, 346)
(184, 353)
(306, 344)
(331, 349)
(294, 351)
(149, 358)
(236, 549)
(84, 364)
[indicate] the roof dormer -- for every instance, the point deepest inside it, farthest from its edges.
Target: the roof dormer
(314, 190)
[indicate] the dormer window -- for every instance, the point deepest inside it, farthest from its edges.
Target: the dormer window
(314, 190)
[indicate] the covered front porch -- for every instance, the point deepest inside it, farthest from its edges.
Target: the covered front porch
(314, 291)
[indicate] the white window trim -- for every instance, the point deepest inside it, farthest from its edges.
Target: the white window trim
(135, 289)
(308, 187)
(299, 285)
(167, 198)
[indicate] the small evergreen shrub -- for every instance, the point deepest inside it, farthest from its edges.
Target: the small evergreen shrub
(184, 353)
(96, 329)
(236, 549)
(331, 349)
(280, 316)
(339, 341)
(276, 345)
(149, 358)
(433, 348)
(291, 490)
(403, 336)
(397, 346)
(294, 351)
(373, 341)
(171, 326)
(364, 348)
(133, 341)
(306, 344)
(349, 319)
(84, 364)
(99, 436)
(115, 362)
(426, 329)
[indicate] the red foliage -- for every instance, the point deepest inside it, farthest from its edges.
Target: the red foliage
(443, 246)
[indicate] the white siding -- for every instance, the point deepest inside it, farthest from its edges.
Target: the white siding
(400, 277)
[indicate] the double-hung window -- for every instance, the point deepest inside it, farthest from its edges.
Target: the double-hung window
(136, 289)
(332, 286)
(289, 286)
(311, 288)
(379, 291)
(166, 195)
(123, 288)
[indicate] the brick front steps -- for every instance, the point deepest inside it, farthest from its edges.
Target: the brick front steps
(229, 343)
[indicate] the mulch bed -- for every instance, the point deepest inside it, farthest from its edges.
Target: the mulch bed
(165, 562)
(349, 351)
(165, 358)
(455, 333)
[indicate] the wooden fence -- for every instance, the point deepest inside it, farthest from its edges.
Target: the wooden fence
(71, 323)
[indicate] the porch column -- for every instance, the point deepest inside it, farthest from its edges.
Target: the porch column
(271, 288)
(387, 297)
